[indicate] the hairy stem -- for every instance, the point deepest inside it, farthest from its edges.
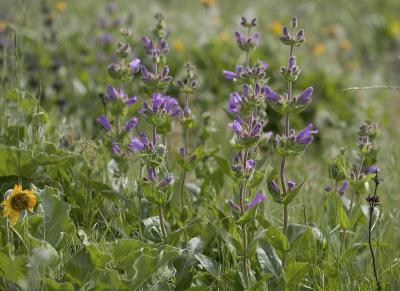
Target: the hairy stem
(161, 217)
(371, 211)
(352, 200)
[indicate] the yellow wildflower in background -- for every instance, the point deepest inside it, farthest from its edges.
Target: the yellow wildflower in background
(275, 27)
(17, 201)
(318, 49)
(179, 46)
(345, 44)
(394, 28)
(3, 25)
(61, 6)
(208, 3)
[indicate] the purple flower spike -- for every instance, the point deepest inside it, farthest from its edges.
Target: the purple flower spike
(229, 75)
(258, 198)
(275, 186)
(234, 206)
(343, 188)
(271, 95)
(131, 123)
(305, 96)
(115, 149)
(306, 135)
(235, 101)
(135, 65)
(163, 46)
(172, 106)
(104, 122)
(291, 184)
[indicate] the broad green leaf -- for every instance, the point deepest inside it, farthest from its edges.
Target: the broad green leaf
(294, 272)
(277, 239)
(342, 217)
(212, 266)
(56, 214)
(291, 194)
(295, 231)
(52, 285)
(268, 259)
(14, 269)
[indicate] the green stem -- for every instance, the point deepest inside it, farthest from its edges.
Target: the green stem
(246, 265)
(161, 216)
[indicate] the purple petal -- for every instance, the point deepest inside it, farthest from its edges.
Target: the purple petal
(235, 101)
(256, 131)
(115, 149)
(233, 205)
(104, 122)
(136, 144)
(271, 95)
(275, 186)
(131, 100)
(291, 184)
(229, 75)
(131, 123)
(258, 198)
(343, 188)
(135, 65)
(305, 96)
(306, 135)
(292, 62)
(236, 126)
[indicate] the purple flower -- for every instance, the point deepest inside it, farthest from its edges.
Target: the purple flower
(148, 44)
(256, 131)
(250, 165)
(131, 123)
(275, 186)
(373, 169)
(134, 65)
(240, 38)
(235, 101)
(131, 100)
(237, 127)
(166, 181)
(234, 206)
(343, 188)
(285, 31)
(140, 143)
(229, 75)
(258, 198)
(292, 62)
(305, 96)
(306, 135)
(106, 38)
(291, 184)
(172, 106)
(271, 95)
(115, 149)
(328, 188)
(151, 174)
(255, 38)
(300, 35)
(114, 93)
(104, 122)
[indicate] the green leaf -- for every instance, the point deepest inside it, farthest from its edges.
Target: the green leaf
(260, 285)
(57, 286)
(273, 176)
(106, 191)
(56, 214)
(294, 272)
(256, 179)
(342, 217)
(248, 215)
(277, 239)
(268, 259)
(14, 269)
(212, 266)
(295, 231)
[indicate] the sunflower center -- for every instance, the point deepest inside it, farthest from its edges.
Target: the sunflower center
(20, 201)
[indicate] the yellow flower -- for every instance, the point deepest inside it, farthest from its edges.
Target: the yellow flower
(318, 49)
(17, 201)
(3, 25)
(275, 27)
(394, 28)
(60, 6)
(179, 46)
(208, 3)
(345, 44)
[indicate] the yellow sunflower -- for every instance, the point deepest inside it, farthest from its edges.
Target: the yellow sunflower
(17, 201)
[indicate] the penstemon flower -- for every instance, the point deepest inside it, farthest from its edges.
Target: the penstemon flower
(290, 142)
(247, 129)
